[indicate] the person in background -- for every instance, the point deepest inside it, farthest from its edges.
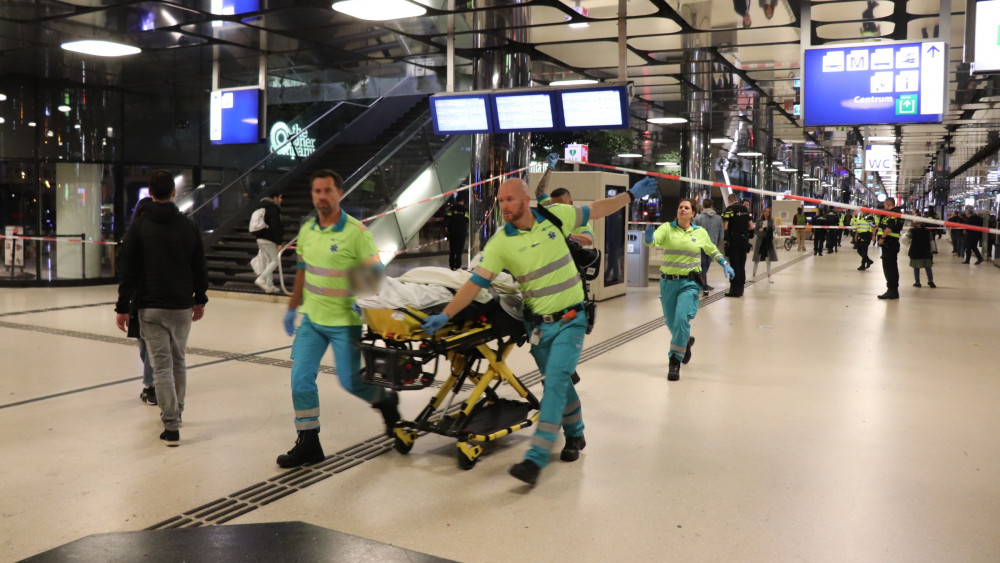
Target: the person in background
(148, 393)
(738, 225)
(800, 222)
(164, 255)
(833, 220)
(819, 231)
(269, 241)
(680, 276)
(920, 253)
(456, 220)
(957, 234)
(331, 247)
(712, 222)
(585, 233)
(862, 223)
(972, 237)
(534, 250)
(763, 244)
(889, 228)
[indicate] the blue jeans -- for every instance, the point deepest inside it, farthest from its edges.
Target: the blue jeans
(679, 299)
(147, 368)
(556, 355)
(311, 341)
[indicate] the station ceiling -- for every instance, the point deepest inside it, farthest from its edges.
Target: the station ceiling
(304, 41)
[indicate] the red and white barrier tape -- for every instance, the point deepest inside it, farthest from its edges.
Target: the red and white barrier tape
(54, 239)
(827, 203)
(444, 195)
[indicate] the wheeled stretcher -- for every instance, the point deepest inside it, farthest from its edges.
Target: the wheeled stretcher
(399, 355)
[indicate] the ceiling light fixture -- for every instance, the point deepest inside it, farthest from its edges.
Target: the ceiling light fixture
(3, 97)
(100, 48)
(751, 154)
(667, 120)
(882, 138)
(629, 155)
(573, 82)
(64, 108)
(720, 140)
(379, 10)
(666, 164)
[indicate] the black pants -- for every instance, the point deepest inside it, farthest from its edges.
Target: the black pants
(456, 247)
(890, 267)
(972, 247)
(737, 254)
(819, 237)
(864, 240)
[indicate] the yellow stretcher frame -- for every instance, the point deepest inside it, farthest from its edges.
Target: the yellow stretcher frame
(465, 348)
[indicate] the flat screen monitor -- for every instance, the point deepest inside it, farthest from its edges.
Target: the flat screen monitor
(986, 37)
(875, 83)
(234, 117)
(603, 107)
(523, 111)
(463, 113)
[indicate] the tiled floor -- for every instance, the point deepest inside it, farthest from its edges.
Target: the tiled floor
(814, 423)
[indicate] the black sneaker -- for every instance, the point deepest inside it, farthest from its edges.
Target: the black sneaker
(571, 451)
(931, 284)
(917, 285)
(307, 449)
(979, 261)
(889, 295)
(526, 471)
(148, 395)
(171, 438)
(675, 369)
(389, 407)
(687, 353)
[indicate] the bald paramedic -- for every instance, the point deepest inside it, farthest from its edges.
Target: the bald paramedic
(535, 252)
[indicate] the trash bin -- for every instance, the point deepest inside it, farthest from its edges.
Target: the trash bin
(638, 260)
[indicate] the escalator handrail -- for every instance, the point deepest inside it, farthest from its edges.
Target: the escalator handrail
(387, 152)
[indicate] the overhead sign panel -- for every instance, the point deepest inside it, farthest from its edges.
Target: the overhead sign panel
(460, 114)
(524, 111)
(987, 37)
(878, 83)
(880, 158)
(595, 108)
(234, 116)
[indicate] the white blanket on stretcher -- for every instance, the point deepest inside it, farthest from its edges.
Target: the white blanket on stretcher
(428, 286)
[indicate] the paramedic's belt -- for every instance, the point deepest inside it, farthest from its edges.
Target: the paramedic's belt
(533, 318)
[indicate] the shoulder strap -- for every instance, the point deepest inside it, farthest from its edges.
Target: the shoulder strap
(549, 215)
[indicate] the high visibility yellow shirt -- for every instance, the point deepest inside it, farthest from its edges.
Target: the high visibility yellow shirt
(326, 255)
(682, 248)
(539, 260)
(586, 229)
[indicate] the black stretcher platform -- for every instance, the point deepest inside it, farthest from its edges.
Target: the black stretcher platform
(272, 542)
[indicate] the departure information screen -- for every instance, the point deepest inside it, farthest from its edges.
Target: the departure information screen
(877, 83)
(524, 112)
(595, 109)
(461, 114)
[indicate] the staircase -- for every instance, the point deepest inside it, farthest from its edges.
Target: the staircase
(228, 258)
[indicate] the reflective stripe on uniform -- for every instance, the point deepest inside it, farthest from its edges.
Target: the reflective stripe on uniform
(325, 272)
(547, 269)
(326, 292)
(553, 289)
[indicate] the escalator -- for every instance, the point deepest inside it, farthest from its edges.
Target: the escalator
(405, 162)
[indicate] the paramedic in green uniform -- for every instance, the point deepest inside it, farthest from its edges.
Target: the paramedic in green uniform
(680, 278)
(534, 250)
(329, 246)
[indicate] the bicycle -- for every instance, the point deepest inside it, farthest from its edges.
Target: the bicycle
(790, 241)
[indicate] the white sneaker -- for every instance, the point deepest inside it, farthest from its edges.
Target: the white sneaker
(769, 280)
(262, 285)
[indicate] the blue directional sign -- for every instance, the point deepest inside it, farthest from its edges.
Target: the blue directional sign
(876, 83)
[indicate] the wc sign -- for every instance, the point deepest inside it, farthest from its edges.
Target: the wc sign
(576, 153)
(880, 158)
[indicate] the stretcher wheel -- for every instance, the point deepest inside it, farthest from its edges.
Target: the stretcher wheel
(464, 462)
(401, 445)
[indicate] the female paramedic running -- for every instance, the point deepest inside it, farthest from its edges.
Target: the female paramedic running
(680, 278)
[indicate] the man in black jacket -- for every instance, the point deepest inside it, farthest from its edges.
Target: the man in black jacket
(457, 222)
(164, 261)
(269, 241)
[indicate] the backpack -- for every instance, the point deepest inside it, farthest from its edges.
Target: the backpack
(257, 220)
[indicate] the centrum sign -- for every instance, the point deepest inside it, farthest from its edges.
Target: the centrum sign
(302, 146)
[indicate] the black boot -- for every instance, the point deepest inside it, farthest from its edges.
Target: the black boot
(687, 353)
(571, 451)
(890, 294)
(390, 411)
(307, 449)
(526, 471)
(675, 369)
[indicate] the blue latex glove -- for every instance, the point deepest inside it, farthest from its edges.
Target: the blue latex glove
(645, 187)
(553, 159)
(290, 321)
(650, 229)
(434, 323)
(730, 272)
(355, 308)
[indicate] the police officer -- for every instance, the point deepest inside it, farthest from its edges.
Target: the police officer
(456, 220)
(329, 248)
(533, 249)
(819, 232)
(833, 235)
(862, 237)
(737, 223)
(889, 229)
(680, 278)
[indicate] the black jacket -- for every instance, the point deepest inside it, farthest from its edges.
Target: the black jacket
(275, 231)
(920, 243)
(163, 257)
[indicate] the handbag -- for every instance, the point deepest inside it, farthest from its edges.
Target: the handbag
(257, 263)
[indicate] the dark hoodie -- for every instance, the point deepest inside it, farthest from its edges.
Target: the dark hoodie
(164, 258)
(275, 231)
